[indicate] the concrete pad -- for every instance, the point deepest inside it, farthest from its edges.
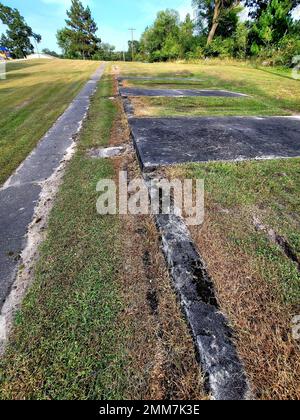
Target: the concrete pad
(175, 93)
(163, 78)
(21, 193)
(166, 141)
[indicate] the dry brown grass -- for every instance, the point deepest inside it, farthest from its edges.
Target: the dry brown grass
(161, 355)
(142, 107)
(161, 350)
(252, 302)
(254, 307)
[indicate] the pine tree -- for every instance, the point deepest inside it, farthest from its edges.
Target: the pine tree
(79, 38)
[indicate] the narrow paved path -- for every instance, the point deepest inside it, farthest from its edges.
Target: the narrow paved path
(20, 195)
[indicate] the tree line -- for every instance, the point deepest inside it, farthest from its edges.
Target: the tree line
(268, 31)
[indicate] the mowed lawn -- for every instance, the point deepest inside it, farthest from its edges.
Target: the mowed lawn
(32, 97)
(87, 329)
(268, 93)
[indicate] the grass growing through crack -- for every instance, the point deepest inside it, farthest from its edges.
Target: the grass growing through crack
(32, 97)
(66, 339)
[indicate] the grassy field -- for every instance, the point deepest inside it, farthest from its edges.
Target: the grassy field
(269, 93)
(250, 206)
(258, 285)
(32, 97)
(99, 321)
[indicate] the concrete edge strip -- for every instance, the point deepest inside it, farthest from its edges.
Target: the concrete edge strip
(36, 235)
(150, 167)
(212, 335)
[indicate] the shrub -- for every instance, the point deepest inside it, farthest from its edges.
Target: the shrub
(220, 47)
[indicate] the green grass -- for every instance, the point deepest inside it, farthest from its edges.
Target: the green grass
(270, 93)
(166, 107)
(32, 97)
(270, 191)
(67, 342)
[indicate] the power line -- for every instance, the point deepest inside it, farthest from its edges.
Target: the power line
(132, 40)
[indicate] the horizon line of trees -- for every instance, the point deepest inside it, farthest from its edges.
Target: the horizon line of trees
(270, 33)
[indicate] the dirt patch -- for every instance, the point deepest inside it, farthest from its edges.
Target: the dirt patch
(142, 108)
(120, 132)
(161, 352)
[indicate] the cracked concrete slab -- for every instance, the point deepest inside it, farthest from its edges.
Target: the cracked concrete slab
(168, 141)
(162, 78)
(177, 93)
(21, 193)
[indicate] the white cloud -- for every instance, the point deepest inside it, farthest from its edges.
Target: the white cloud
(185, 8)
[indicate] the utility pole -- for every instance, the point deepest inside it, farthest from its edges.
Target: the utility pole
(132, 39)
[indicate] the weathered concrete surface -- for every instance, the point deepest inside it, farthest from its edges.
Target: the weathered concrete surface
(211, 332)
(166, 141)
(178, 93)
(162, 78)
(20, 194)
(195, 289)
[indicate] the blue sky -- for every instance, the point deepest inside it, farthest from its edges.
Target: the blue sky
(113, 17)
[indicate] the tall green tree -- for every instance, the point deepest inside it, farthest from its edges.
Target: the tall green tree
(133, 49)
(273, 22)
(186, 35)
(257, 7)
(18, 35)
(160, 41)
(79, 38)
(217, 17)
